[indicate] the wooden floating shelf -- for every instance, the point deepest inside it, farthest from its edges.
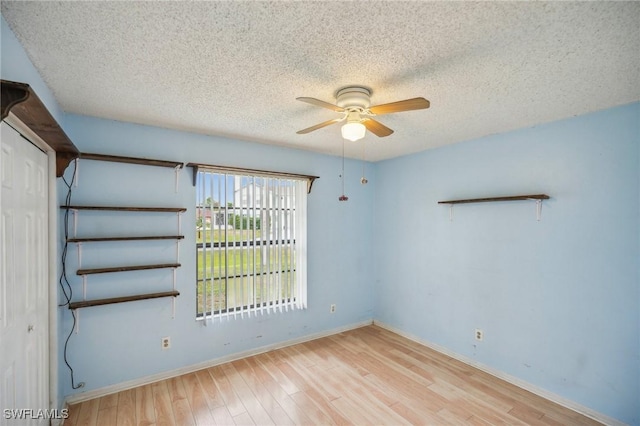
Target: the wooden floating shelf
(493, 199)
(146, 238)
(128, 209)
(126, 268)
(98, 302)
(237, 170)
(131, 160)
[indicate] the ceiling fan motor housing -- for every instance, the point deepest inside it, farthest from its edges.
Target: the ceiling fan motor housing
(354, 97)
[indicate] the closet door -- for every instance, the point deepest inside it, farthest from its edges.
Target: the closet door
(24, 327)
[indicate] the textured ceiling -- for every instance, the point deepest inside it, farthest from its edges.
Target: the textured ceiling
(235, 68)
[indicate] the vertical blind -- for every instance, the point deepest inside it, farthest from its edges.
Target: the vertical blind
(251, 244)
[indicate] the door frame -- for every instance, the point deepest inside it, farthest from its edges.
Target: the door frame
(52, 228)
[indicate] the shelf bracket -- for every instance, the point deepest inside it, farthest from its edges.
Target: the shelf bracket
(76, 172)
(538, 209)
(174, 278)
(74, 212)
(79, 255)
(173, 301)
(177, 171)
(450, 212)
(194, 176)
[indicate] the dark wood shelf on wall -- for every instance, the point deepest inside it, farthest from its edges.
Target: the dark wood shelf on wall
(128, 209)
(131, 160)
(141, 238)
(122, 299)
(494, 199)
(126, 268)
(238, 170)
(20, 100)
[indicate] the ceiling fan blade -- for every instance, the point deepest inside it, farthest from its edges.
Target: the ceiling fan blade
(406, 105)
(377, 128)
(318, 126)
(323, 104)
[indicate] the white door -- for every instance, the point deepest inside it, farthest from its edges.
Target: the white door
(24, 331)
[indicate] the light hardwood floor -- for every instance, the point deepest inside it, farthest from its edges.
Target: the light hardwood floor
(364, 377)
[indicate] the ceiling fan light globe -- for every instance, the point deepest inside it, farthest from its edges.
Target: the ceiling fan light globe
(353, 131)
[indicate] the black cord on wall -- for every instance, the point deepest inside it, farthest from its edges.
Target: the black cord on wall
(65, 286)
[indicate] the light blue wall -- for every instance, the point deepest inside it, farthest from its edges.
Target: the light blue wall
(122, 342)
(15, 65)
(558, 299)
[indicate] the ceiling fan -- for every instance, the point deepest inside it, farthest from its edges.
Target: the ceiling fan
(353, 103)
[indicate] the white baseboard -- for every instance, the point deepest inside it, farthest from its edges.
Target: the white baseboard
(508, 378)
(107, 390)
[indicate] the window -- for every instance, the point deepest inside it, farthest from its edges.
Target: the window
(250, 242)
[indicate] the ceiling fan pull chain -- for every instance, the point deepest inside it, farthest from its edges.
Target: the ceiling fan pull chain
(363, 179)
(343, 197)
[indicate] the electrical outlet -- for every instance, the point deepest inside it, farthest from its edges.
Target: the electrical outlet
(479, 334)
(166, 343)
(332, 308)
